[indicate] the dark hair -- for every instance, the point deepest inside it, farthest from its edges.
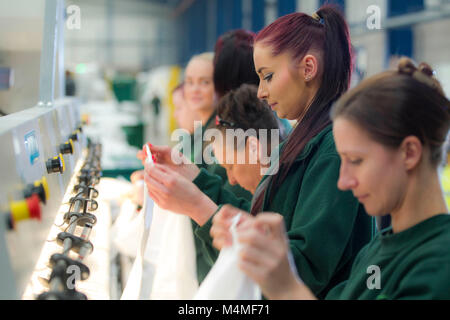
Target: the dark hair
(241, 109)
(299, 33)
(395, 104)
(233, 61)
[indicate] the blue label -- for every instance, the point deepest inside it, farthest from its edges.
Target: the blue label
(31, 146)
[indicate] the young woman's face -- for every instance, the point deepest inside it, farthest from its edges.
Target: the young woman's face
(199, 85)
(183, 115)
(373, 172)
(246, 174)
(280, 83)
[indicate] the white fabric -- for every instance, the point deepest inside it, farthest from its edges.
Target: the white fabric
(165, 264)
(137, 286)
(176, 267)
(167, 269)
(127, 229)
(141, 271)
(225, 281)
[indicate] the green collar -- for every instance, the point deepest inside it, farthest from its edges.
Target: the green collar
(305, 152)
(393, 242)
(210, 120)
(311, 143)
(207, 124)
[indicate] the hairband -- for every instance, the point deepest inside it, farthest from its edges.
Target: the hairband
(318, 18)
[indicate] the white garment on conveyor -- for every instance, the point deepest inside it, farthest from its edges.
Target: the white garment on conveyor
(167, 270)
(141, 270)
(225, 281)
(127, 229)
(176, 267)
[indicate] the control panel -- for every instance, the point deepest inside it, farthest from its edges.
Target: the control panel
(40, 148)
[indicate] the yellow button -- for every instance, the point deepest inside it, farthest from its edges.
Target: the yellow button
(71, 144)
(19, 210)
(44, 184)
(46, 188)
(62, 162)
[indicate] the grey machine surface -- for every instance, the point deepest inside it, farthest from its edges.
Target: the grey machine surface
(28, 140)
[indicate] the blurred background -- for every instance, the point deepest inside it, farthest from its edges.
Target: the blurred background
(121, 58)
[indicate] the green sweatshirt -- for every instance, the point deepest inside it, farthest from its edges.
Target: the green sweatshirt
(326, 227)
(412, 264)
(204, 262)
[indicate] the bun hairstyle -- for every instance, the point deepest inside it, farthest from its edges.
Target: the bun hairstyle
(424, 73)
(241, 109)
(325, 32)
(396, 104)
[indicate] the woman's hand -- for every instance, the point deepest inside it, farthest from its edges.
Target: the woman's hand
(172, 191)
(265, 257)
(173, 159)
(221, 225)
(136, 176)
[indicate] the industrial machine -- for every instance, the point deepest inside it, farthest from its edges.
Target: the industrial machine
(54, 223)
(47, 205)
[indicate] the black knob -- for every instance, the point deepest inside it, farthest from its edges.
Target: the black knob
(65, 295)
(35, 189)
(9, 221)
(55, 164)
(67, 147)
(74, 136)
(57, 257)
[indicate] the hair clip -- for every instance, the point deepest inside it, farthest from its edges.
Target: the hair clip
(424, 73)
(318, 18)
(224, 123)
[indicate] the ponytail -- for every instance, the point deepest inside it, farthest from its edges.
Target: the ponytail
(326, 31)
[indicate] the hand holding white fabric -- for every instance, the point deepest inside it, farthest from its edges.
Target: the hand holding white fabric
(226, 281)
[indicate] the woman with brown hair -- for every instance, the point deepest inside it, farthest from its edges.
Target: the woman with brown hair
(390, 132)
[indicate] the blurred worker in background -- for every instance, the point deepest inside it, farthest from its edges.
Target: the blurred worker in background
(71, 89)
(156, 103)
(184, 118)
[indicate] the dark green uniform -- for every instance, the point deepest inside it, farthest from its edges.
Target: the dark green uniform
(326, 227)
(203, 263)
(412, 264)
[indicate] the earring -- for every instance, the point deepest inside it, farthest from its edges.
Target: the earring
(308, 78)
